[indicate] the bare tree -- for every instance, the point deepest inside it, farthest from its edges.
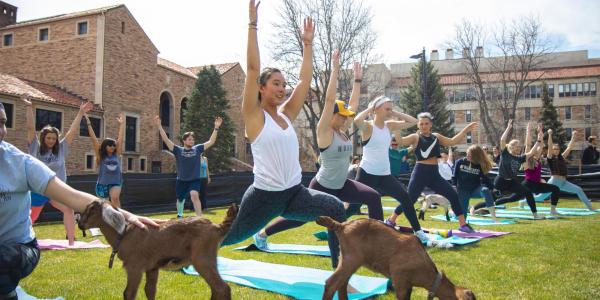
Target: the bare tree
(499, 81)
(340, 24)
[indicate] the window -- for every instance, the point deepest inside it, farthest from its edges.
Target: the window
(9, 109)
(551, 90)
(573, 89)
(569, 133)
(588, 111)
(469, 137)
(143, 164)
(156, 166)
(471, 94)
(588, 132)
(567, 90)
(527, 113)
(561, 90)
(130, 164)
(592, 88)
(580, 89)
(567, 113)
(131, 133)
(7, 40)
(459, 96)
(44, 35)
(122, 27)
(468, 116)
(586, 89)
(90, 162)
(82, 28)
(45, 117)
(248, 147)
(96, 125)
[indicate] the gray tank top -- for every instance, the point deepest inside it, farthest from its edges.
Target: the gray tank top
(335, 161)
(110, 171)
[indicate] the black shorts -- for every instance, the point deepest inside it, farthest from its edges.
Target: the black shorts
(183, 188)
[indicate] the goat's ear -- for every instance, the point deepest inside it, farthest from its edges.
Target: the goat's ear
(114, 218)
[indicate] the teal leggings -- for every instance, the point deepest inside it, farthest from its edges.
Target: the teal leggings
(566, 187)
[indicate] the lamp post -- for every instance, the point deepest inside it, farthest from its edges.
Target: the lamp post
(423, 78)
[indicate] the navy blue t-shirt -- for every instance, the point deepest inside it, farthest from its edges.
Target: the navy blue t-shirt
(188, 162)
(468, 175)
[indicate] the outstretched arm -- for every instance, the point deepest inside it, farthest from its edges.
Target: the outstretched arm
(536, 149)
(93, 137)
(550, 154)
(213, 137)
(83, 109)
(163, 134)
(324, 130)
(449, 142)
(251, 111)
(292, 106)
(505, 135)
(355, 97)
(121, 137)
(571, 144)
(29, 119)
(528, 137)
(404, 121)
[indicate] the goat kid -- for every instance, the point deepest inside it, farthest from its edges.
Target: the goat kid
(175, 244)
(427, 201)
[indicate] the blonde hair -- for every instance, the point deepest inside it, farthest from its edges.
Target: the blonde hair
(479, 157)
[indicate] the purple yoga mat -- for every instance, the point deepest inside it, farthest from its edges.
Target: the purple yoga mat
(64, 244)
(482, 234)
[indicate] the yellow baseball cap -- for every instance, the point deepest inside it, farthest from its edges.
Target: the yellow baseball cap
(341, 107)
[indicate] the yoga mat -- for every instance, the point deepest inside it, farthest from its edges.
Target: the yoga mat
(481, 234)
(49, 244)
(562, 213)
(519, 215)
(567, 211)
(475, 220)
(292, 281)
(290, 249)
(321, 235)
(24, 296)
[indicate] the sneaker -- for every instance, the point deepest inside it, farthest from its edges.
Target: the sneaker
(260, 242)
(424, 237)
(536, 216)
(95, 231)
(179, 217)
(390, 223)
(466, 228)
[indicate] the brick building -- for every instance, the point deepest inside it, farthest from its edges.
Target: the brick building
(104, 56)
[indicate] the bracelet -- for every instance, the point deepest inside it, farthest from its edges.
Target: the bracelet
(216, 129)
(252, 27)
(252, 23)
(307, 44)
(358, 80)
(539, 141)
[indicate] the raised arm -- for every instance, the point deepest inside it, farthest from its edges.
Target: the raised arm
(360, 119)
(536, 149)
(449, 142)
(411, 140)
(292, 106)
(528, 134)
(29, 119)
(83, 109)
(251, 111)
(550, 154)
(163, 134)
(93, 137)
(121, 137)
(403, 121)
(571, 144)
(355, 97)
(505, 135)
(324, 130)
(450, 156)
(213, 137)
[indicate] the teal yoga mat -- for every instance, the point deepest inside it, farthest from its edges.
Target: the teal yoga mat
(292, 281)
(476, 220)
(290, 249)
(519, 215)
(562, 213)
(567, 211)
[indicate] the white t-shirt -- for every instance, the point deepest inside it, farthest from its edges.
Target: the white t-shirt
(20, 173)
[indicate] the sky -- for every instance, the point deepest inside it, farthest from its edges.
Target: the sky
(201, 32)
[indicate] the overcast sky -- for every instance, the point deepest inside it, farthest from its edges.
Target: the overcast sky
(201, 32)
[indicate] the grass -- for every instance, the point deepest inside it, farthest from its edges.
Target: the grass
(549, 259)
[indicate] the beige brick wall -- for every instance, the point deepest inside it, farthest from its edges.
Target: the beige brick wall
(233, 83)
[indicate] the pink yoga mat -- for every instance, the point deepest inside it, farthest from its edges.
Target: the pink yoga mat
(49, 244)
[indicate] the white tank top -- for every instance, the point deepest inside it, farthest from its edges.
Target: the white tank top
(376, 160)
(276, 156)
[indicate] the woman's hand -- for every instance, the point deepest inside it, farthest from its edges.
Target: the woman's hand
(121, 118)
(335, 59)
(253, 12)
(25, 100)
(141, 222)
(357, 71)
(218, 122)
(309, 31)
(85, 107)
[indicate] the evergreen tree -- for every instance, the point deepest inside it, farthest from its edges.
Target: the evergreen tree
(549, 117)
(411, 101)
(205, 104)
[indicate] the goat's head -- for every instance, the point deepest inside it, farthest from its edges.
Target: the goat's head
(99, 213)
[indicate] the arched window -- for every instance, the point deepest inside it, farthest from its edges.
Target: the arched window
(166, 115)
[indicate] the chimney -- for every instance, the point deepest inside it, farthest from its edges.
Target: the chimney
(479, 51)
(449, 53)
(434, 55)
(466, 51)
(8, 14)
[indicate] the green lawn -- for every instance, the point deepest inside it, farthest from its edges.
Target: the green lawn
(550, 259)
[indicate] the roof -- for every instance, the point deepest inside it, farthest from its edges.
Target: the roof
(175, 67)
(14, 86)
(221, 68)
(64, 16)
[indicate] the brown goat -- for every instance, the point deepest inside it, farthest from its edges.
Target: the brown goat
(175, 244)
(398, 256)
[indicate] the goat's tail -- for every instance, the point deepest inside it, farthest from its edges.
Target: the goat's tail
(229, 218)
(328, 222)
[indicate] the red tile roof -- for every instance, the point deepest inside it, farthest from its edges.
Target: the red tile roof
(221, 68)
(175, 67)
(14, 86)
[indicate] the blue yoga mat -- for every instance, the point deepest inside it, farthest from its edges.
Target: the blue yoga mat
(292, 281)
(560, 212)
(519, 215)
(567, 211)
(475, 220)
(290, 249)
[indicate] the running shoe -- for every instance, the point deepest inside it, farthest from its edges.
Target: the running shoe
(260, 242)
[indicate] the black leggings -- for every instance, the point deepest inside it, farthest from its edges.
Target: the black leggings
(540, 187)
(298, 203)
(352, 192)
(389, 185)
(517, 189)
(17, 261)
(424, 175)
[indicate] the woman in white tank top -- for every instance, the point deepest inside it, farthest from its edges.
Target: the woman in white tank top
(276, 190)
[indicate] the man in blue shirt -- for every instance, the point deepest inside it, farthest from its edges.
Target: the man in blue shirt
(22, 174)
(398, 159)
